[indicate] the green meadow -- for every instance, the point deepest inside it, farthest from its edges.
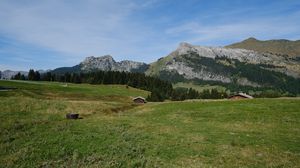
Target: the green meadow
(114, 132)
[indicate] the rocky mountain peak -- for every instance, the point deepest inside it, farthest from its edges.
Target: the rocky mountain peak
(105, 58)
(107, 63)
(213, 52)
(184, 44)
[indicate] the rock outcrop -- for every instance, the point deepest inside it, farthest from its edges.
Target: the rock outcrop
(107, 63)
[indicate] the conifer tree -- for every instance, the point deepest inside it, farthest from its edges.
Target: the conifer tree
(31, 74)
(37, 76)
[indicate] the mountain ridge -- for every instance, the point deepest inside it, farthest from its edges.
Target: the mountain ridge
(107, 62)
(104, 63)
(170, 62)
(275, 46)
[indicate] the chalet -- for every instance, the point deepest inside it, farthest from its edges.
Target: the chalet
(139, 100)
(240, 96)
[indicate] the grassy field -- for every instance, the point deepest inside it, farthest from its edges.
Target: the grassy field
(116, 133)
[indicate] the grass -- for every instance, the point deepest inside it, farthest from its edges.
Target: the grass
(70, 91)
(116, 133)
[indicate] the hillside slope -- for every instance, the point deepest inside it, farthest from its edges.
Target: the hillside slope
(277, 47)
(57, 90)
(116, 133)
(235, 66)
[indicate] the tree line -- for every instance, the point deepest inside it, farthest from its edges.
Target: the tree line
(257, 73)
(160, 89)
(184, 93)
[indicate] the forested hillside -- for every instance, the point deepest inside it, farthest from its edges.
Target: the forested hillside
(233, 74)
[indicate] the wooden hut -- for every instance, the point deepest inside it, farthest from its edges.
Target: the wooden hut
(240, 96)
(139, 100)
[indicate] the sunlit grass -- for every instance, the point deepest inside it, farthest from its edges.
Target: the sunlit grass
(116, 133)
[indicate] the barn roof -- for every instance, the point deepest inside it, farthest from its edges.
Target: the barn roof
(139, 97)
(243, 95)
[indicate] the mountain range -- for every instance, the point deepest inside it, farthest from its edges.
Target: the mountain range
(251, 62)
(226, 65)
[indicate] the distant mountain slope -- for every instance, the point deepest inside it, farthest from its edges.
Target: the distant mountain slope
(104, 63)
(180, 61)
(226, 65)
(280, 47)
(8, 74)
(62, 70)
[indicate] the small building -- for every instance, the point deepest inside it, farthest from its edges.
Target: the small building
(139, 100)
(240, 96)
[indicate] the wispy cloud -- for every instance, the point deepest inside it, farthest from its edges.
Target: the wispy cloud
(80, 28)
(64, 32)
(214, 33)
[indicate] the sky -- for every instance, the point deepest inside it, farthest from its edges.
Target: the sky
(46, 34)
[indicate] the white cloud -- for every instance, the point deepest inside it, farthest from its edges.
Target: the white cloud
(78, 29)
(125, 29)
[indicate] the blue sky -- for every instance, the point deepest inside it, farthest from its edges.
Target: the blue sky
(45, 34)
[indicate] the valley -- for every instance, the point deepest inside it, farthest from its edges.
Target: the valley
(114, 132)
(149, 84)
(188, 118)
